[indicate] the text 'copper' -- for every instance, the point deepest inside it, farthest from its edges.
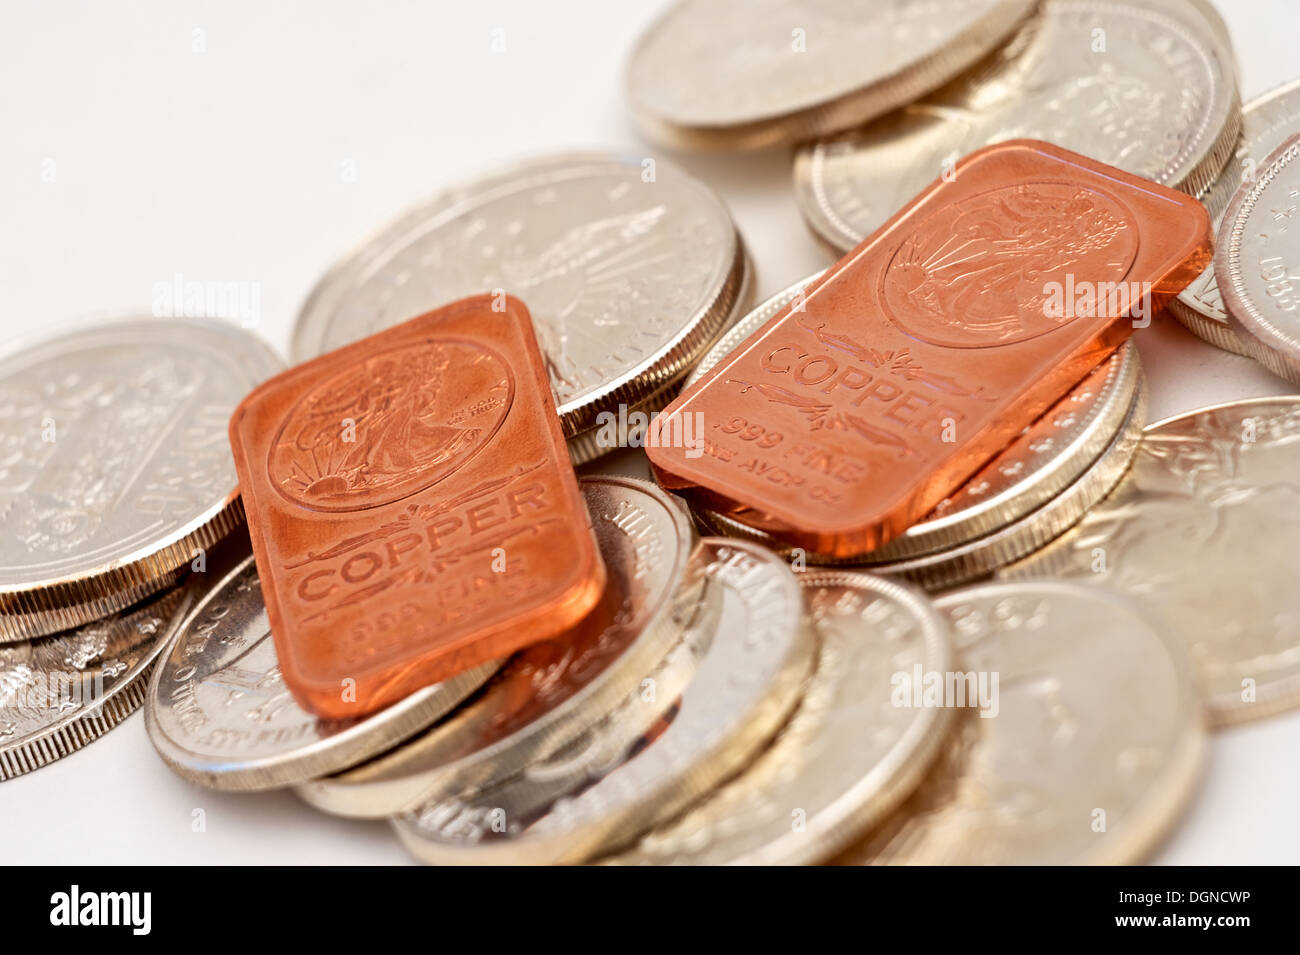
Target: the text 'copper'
(412, 507)
(925, 350)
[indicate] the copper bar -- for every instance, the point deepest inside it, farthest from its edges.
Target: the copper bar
(924, 351)
(412, 507)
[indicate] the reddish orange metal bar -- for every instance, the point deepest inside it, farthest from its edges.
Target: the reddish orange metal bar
(412, 507)
(925, 350)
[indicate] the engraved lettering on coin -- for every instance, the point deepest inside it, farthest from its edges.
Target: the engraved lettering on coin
(1266, 123)
(399, 423)
(219, 712)
(975, 273)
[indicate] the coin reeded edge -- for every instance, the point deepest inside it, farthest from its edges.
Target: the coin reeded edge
(1266, 343)
(557, 727)
(985, 554)
(85, 729)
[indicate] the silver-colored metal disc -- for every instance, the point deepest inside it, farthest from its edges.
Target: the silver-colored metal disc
(1145, 85)
(544, 698)
(1255, 265)
(1084, 750)
(114, 463)
(851, 752)
(748, 677)
(219, 714)
(1266, 122)
(630, 268)
(742, 74)
(745, 326)
(1202, 531)
(60, 693)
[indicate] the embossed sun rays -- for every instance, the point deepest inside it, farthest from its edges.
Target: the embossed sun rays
(400, 420)
(982, 266)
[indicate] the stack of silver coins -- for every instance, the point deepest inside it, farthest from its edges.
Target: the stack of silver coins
(1027, 676)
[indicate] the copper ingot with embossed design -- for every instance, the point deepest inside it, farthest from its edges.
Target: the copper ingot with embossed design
(923, 352)
(412, 507)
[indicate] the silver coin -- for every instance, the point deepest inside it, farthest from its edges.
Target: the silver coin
(114, 463)
(748, 677)
(60, 693)
(1201, 532)
(547, 696)
(1255, 264)
(1266, 122)
(629, 267)
(759, 316)
(852, 751)
(727, 74)
(1145, 85)
(219, 714)
(1089, 746)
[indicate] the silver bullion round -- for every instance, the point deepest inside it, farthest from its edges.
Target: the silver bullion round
(744, 74)
(630, 268)
(219, 714)
(1041, 463)
(114, 464)
(748, 678)
(1084, 750)
(1202, 533)
(1266, 122)
(853, 750)
(547, 696)
(1255, 264)
(62, 692)
(1145, 85)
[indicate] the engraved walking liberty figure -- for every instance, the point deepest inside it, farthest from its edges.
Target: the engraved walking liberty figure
(975, 273)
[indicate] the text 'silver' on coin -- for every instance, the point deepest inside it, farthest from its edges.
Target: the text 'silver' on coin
(926, 350)
(407, 496)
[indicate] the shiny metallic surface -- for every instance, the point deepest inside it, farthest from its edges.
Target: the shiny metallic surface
(1160, 101)
(1201, 532)
(1266, 122)
(1034, 468)
(982, 556)
(549, 695)
(1254, 266)
(744, 74)
(630, 268)
(60, 693)
(749, 323)
(1095, 747)
(406, 496)
(749, 674)
(927, 350)
(114, 463)
(848, 756)
(219, 714)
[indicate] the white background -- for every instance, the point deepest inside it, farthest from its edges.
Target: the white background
(225, 165)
